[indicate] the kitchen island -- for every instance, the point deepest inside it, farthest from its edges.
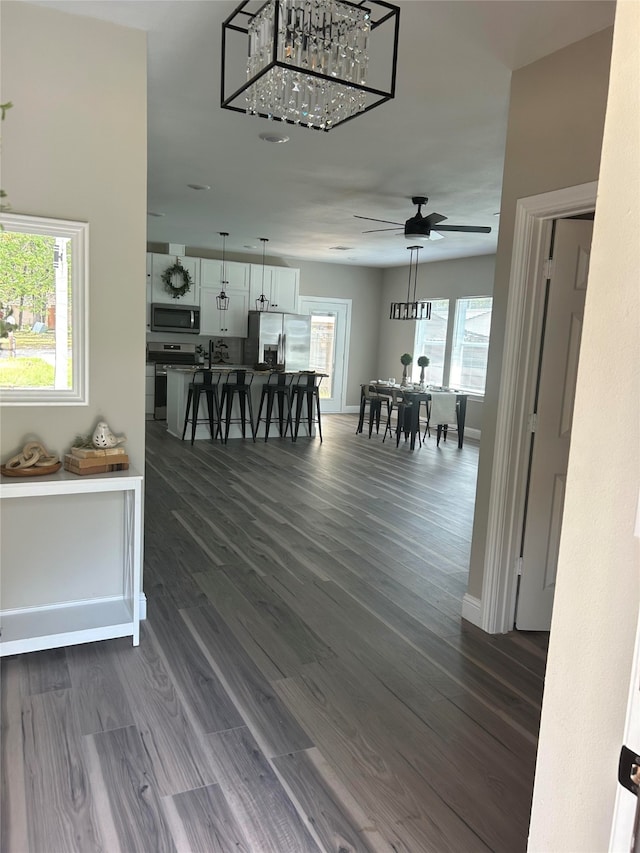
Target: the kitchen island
(178, 379)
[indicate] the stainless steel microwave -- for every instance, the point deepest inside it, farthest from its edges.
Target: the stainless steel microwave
(175, 318)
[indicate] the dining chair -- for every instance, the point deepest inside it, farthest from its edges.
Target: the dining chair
(370, 397)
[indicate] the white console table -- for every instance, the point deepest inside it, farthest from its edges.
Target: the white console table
(62, 623)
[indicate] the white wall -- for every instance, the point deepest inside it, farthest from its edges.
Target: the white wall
(74, 147)
(439, 280)
(554, 137)
(596, 601)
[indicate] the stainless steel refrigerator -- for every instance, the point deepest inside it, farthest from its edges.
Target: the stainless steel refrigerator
(276, 338)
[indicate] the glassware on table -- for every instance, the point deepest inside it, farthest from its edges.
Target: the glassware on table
(392, 381)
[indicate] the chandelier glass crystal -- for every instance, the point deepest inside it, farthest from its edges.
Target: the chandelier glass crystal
(328, 38)
(308, 60)
(412, 309)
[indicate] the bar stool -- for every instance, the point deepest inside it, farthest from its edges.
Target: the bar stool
(204, 382)
(277, 387)
(306, 386)
(369, 395)
(237, 384)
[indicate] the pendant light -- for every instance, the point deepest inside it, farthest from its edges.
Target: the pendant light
(411, 309)
(222, 300)
(262, 303)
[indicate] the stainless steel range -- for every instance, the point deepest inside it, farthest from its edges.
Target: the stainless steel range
(165, 355)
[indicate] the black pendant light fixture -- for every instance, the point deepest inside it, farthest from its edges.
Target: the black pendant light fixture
(262, 303)
(222, 300)
(412, 309)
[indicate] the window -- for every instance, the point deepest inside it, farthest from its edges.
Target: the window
(431, 339)
(457, 345)
(43, 303)
(470, 346)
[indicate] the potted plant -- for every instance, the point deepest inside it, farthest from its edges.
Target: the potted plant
(423, 362)
(406, 359)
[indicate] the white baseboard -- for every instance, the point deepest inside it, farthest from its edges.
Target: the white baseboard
(470, 432)
(143, 606)
(472, 610)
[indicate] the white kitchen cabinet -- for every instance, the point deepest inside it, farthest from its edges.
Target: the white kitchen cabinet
(159, 265)
(281, 287)
(237, 274)
(231, 323)
(149, 391)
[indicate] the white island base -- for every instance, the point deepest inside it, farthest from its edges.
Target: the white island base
(178, 380)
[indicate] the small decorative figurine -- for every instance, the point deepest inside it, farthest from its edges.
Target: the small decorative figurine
(103, 437)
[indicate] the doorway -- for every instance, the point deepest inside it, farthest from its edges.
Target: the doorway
(330, 333)
(507, 498)
(552, 400)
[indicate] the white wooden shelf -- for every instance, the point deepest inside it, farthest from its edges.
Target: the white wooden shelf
(28, 629)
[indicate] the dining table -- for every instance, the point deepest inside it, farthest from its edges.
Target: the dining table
(411, 427)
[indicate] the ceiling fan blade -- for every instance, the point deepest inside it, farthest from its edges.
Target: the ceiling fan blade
(469, 229)
(374, 230)
(371, 219)
(434, 218)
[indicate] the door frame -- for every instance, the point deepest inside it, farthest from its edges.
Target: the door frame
(309, 303)
(532, 227)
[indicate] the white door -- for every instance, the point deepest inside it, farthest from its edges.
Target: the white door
(330, 333)
(560, 351)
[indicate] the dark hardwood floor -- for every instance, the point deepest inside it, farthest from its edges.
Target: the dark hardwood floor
(304, 680)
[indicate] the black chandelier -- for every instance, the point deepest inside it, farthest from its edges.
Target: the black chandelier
(309, 62)
(412, 309)
(222, 300)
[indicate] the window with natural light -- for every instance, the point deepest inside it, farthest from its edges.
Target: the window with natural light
(456, 341)
(470, 344)
(43, 356)
(431, 340)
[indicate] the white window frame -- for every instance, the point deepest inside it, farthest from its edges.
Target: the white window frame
(78, 234)
(448, 348)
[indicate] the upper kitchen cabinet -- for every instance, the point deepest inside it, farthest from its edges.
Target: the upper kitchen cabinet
(160, 264)
(281, 286)
(231, 323)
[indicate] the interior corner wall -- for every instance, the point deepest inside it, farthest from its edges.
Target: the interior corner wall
(593, 632)
(437, 280)
(554, 138)
(363, 285)
(74, 146)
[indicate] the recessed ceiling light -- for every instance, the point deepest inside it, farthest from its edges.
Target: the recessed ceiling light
(273, 137)
(247, 246)
(199, 186)
(341, 248)
(153, 213)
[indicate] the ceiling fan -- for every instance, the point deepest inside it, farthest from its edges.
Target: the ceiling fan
(421, 227)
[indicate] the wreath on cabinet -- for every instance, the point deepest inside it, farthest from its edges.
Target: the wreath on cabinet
(175, 289)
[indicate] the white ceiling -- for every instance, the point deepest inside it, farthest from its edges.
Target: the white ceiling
(442, 136)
